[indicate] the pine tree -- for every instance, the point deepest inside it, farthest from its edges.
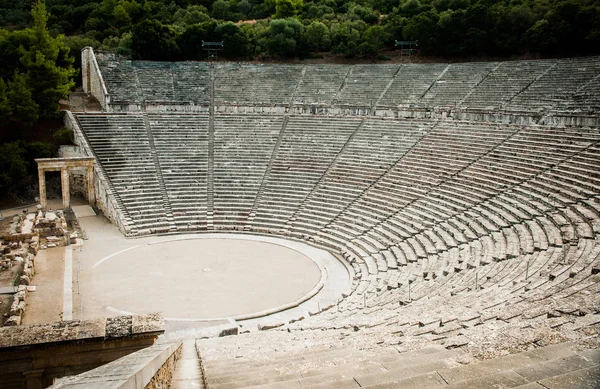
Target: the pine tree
(49, 68)
(5, 108)
(21, 101)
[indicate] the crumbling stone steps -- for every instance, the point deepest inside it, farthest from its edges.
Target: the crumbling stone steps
(297, 370)
(433, 367)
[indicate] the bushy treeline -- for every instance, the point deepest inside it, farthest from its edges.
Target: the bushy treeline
(174, 29)
(36, 71)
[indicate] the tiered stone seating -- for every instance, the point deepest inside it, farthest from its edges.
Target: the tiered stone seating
(563, 85)
(308, 146)
(156, 80)
(456, 83)
(587, 97)
(191, 81)
(145, 81)
(320, 84)
(505, 82)
(364, 84)
(278, 360)
(243, 149)
(411, 82)
(234, 83)
(370, 153)
(119, 76)
(458, 232)
(181, 143)
(558, 84)
(121, 146)
(255, 84)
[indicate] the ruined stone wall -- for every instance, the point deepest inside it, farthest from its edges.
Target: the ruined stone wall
(78, 182)
(92, 78)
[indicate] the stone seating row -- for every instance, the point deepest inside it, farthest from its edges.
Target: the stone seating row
(181, 146)
(505, 82)
(364, 84)
(556, 87)
(238, 175)
(128, 165)
(488, 221)
(531, 85)
(454, 85)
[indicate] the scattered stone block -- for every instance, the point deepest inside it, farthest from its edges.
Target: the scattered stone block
(264, 327)
(24, 280)
(13, 321)
(229, 331)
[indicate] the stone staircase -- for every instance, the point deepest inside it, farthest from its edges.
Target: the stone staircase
(252, 362)
(187, 374)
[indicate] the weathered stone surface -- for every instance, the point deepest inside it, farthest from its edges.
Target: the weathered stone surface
(229, 331)
(120, 326)
(147, 323)
(14, 320)
(24, 280)
(150, 368)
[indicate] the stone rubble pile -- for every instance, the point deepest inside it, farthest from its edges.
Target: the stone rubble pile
(28, 233)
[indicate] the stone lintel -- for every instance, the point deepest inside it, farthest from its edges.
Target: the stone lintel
(53, 164)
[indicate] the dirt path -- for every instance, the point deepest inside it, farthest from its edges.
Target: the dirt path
(45, 304)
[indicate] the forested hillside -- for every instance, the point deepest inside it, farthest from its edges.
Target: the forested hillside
(36, 71)
(40, 44)
(174, 29)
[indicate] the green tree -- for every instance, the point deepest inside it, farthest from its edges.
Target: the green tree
(284, 34)
(49, 68)
(13, 168)
(373, 40)
(411, 7)
(423, 28)
(152, 40)
(235, 42)
(22, 105)
(244, 7)
(221, 9)
(5, 106)
(190, 41)
(316, 37)
(287, 8)
(346, 37)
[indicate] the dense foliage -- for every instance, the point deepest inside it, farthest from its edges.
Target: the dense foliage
(174, 29)
(36, 71)
(40, 41)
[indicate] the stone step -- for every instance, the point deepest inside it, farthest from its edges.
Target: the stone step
(399, 370)
(588, 378)
(187, 374)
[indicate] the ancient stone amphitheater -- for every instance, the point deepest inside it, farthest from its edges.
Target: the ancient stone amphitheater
(464, 199)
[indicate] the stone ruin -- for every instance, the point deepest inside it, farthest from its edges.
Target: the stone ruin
(34, 356)
(27, 234)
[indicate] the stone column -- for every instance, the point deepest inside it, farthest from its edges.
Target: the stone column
(90, 184)
(66, 194)
(42, 183)
(33, 379)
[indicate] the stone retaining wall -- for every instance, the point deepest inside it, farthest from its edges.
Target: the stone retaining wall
(150, 368)
(92, 77)
(163, 377)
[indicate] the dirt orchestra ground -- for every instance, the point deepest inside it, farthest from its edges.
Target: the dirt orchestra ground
(199, 278)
